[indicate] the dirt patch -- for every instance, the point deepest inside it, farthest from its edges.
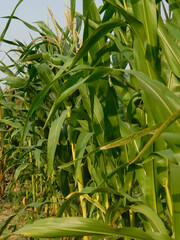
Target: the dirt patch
(7, 210)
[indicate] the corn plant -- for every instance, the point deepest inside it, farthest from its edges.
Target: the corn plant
(100, 121)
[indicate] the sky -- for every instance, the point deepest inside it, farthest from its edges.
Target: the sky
(30, 11)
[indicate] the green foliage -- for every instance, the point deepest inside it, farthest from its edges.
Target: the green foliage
(94, 128)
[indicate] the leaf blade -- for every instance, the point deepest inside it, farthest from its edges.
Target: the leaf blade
(59, 227)
(53, 137)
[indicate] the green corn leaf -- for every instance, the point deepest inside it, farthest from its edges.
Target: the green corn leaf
(82, 141)
(90, 12)
(174, 6)
(160, 101)
(147, 177)
(69, 227)
(19, 170)
(67, 89)
(66, 165)
(14, 82)
(171, 137)
(35, 104)
(175, 193)
(101, 31)
(127, 52)
(9, 21)
(71, 197)
(73, 84)
(170, 48)
(53, 137)
(46, 29)
(47, 76)
(129, 138)
(11, 123)
(158, 224)
(98, 119)
(91, 190)
(145, 12)
(175, 116)
(174, 30)
(6, 71)
(159, 236)
(142, 64)
(73, 7)
(39, 99)
(31, 27)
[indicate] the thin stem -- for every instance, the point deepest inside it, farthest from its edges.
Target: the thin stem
(80, 176)
(32, 177)
(165, 12)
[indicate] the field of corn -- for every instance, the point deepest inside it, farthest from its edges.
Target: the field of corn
(90, 124)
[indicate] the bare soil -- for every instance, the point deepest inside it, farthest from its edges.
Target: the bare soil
(7, 209)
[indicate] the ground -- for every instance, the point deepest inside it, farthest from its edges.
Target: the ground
(7, 209)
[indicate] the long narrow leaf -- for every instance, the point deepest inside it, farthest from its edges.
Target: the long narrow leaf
(80, 148)
(150, 214)
(71, 227)
(53, 137)
(73, 84)
(95, 36)
(175, 193)
(171, 48)
(9, 21)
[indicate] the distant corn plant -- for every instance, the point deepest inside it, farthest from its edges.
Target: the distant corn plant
(99, 123)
